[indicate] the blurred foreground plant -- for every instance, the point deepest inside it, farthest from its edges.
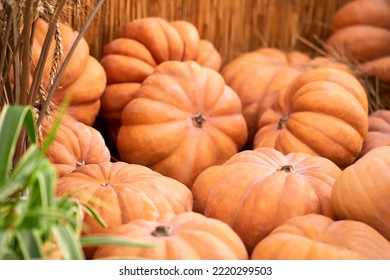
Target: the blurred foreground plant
(34, 223)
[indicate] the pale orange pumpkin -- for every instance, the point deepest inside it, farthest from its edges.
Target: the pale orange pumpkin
(259, 76)
(362, 191)
(144, 44)
(75, 144)
(122, 192)
(316, 237)
(378, 131)
(181, 120)
(185, 236)
(360, 32)
(257, 190)
(323, 112)
(84, 79)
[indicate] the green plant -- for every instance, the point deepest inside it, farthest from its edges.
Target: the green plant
(34, 222)
(32, 219)
(30, 215)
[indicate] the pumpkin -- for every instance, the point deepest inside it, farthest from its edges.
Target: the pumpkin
(324, 112)
(378, 131)
(84, 79)
(257, 190)
(181, 120)
(316, 237)
(368, 23)
(259, 76)
(133, 56)
(185, 236)
(75, 144)
(362, 191)
(121, 192)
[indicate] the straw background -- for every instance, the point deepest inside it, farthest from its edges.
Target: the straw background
(233, 26)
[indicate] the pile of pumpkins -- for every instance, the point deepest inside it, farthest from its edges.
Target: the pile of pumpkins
(272, 155)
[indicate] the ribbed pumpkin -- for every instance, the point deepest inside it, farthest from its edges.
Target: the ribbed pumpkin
(84, 78)
(259, 76)
(185, 236)
(75, 145)
(144, 44)
(257, 190)
(122, 192)
(360, 31)
(181, 120)
(378, 131)
(324, 112)
(362, 191)
(316, 237)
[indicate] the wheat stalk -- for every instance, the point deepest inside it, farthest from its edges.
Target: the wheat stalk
(17, 27)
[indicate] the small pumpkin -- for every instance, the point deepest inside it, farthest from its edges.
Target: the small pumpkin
(259, 76)
(144, 44)
(323, 112)
(122, 192)
(378, 131)
(185, 236)
(75, 144)
(181, 120)
(84, 79)
(362, 191)
(257, 190)
(368, 23)
(316, 237)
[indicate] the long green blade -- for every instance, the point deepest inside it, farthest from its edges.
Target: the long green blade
(68, 242)
(30, 244)
(22, 173)
(87, 241)
(12, 119)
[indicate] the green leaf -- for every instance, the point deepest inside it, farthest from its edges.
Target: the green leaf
(30, 244)
(12, 119)
(91, 211)
(68, 242)
(99, 240)
(22, 173)
(5, 252)
(42, 187)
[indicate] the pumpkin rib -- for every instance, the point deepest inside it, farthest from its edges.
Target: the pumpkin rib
(338, 143)
(246, 195)
(372, 196)
(365, 196)
(125, 47)
(281, 147)
(301, 99)
(176, 98)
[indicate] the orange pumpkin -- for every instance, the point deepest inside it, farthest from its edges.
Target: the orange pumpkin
(368, 23)
(75, 145)
(185, 236)
(324, 112)
(362, 191)
(122, 192)
(258, 77)
(144, 44)
(181, 120)
(257, 190)
(84, 78)
(316, 237)
(378, 131)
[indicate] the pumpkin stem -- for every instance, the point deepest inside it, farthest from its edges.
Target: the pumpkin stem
(282, 121)
(161, 231)
(105, 184)
(287, 168)
(79, 164)
(198, 119)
